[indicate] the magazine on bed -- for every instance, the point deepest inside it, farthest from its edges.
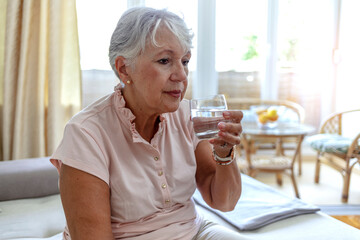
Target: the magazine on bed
(259, 205)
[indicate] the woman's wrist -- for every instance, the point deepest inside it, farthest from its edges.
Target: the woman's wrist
(224, 160)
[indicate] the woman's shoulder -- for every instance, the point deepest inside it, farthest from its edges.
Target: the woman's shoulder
(93, 110)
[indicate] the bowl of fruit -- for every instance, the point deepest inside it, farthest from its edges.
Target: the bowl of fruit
(266, 117)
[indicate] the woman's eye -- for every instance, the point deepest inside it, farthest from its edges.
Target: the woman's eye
(186, 62)
(163, 61)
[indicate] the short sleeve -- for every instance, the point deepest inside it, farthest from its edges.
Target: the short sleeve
(80, 149)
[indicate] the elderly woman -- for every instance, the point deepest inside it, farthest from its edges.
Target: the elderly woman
(130, 162)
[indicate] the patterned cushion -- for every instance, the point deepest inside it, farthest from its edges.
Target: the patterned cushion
(330, 143)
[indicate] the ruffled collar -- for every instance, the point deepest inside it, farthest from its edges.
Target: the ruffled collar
(127, 116)
(120, 104)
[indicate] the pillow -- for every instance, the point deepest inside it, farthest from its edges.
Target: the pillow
(27, 178)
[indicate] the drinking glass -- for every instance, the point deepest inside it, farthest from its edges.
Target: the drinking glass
(206, 113)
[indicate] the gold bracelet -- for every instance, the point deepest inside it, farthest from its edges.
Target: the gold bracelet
(226, 160)
(224, 163)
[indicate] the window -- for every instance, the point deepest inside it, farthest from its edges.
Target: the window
(305, 46)
(240, 46)
(96, 22)
(306, 36)
(347, 58)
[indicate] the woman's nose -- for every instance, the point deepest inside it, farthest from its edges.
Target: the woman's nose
(179, 73)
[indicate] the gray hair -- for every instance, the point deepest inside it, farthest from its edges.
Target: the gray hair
(139, 24)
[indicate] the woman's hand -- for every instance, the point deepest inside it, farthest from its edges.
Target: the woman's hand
(229, 133)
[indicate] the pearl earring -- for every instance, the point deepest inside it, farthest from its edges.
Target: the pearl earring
(128, 82)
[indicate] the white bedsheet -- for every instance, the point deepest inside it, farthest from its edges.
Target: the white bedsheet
(43, 218)
(31, 218)
(55, 237)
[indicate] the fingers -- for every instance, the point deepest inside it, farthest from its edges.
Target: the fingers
(232, 138)
(235, 115)
(231, 127)
(229, 130)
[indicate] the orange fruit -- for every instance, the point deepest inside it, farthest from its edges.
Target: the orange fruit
(263, 118)
(273, 118)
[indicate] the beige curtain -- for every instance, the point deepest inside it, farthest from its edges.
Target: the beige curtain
(40, 77)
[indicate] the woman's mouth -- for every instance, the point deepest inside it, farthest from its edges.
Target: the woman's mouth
(174, 93)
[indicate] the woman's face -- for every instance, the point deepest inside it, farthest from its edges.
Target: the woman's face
(159, 78)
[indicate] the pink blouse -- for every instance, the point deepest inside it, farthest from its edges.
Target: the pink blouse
(151, 184)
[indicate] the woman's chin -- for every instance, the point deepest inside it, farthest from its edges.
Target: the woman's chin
(173, 107)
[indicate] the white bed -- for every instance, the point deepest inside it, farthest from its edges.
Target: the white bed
(41, 217)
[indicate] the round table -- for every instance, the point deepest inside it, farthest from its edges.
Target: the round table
(279, 163)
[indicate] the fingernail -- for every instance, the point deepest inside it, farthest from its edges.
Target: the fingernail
(221, 126)
(226, 114)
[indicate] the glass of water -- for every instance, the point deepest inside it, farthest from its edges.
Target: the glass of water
(206, 113)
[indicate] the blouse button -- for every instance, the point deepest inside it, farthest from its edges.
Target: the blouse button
(163, 185)
(167, 201)
(160, 173)
(156, 158)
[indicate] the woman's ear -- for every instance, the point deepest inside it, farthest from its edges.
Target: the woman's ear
(121, 68)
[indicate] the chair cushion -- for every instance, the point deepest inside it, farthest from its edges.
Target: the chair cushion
(330, 143)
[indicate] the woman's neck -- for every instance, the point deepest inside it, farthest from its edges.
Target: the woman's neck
(146, 124)
(147, 127)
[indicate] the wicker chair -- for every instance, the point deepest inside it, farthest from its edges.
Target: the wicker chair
(270, 143)
(336, 150)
